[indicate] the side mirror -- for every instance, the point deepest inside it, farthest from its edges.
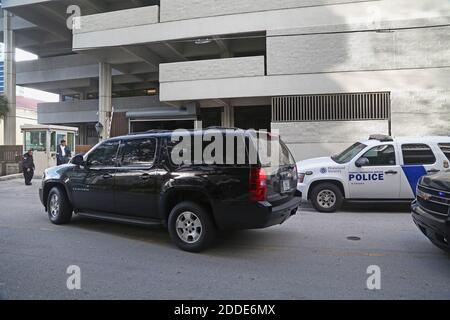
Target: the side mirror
(78, 160)
(362, 162)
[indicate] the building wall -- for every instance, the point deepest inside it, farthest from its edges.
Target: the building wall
(319, 83)
(119, 19)
(414, 113)
(317, 139)
(427, 47)
(418, 106)
(172, 10)
(420, 112)
(313, 47)
(212, 69)
(86, 111)
(24, 116)
(347, 13)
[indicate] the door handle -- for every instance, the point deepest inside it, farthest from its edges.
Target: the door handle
(391, 172)
(145, 176)
(107, 176)
(433, 171)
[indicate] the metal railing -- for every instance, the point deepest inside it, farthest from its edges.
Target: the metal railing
(332, 107)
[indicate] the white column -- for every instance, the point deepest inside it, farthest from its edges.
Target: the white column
(104, 97)
(10, 79)
(198, 124)
(228, 116)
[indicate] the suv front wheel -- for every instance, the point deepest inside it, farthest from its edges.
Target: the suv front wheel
(191, 227)
(326, 197)
(58, 207)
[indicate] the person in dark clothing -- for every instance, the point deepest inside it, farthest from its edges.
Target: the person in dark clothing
(28, 167)
(63, 153)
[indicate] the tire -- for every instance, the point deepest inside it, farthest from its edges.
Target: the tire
(196, 230)
(326, 197)
(58, 207)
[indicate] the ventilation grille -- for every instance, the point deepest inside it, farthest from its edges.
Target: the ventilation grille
(332, 107)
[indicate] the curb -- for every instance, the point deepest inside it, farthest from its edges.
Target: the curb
(11, 177)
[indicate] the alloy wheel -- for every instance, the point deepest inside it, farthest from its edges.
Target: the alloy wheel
(326, 198)
(54, 205)
(189, 227)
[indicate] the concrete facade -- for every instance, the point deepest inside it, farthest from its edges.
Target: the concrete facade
(86, 111)
(212, 69)
(232, 54)
(172, 10)
(128, 18)
(26, 114)
(317, 139)
(413, 48)
(10, 119)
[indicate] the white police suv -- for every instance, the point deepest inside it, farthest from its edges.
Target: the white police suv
(381, 168)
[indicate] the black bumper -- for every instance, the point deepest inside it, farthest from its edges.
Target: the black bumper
(436, 229)
(41, 195)
(254, 216)
(278, 215)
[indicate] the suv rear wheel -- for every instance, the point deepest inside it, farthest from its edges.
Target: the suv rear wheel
(191, 227)
(326, 197)
(58, 207)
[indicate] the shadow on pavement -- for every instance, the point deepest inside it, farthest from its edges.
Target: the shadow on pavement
(154, 234)
(236, 243)
(362, 207)
(397, 207)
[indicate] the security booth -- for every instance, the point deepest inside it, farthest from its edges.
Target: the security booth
(44, 140)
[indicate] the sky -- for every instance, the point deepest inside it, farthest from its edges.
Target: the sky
(22, 55)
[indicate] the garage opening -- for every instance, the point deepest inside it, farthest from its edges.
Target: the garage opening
(254, 117)
(143, 126)
(168, 118)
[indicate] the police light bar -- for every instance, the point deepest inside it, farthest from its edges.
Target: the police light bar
(381, 137)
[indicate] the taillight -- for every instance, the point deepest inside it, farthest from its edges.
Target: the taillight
(258, 184)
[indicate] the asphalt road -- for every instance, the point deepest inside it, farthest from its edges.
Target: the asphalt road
(309, 257)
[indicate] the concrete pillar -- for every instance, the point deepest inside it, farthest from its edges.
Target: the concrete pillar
(104, 98)
(228, 116)
(198, 124)
(10, 79)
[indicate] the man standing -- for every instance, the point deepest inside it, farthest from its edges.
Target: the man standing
(63, 153)
(28, 167)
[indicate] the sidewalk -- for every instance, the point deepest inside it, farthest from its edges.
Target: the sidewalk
(11, 177)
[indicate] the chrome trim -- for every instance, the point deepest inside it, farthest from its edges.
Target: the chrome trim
(434, 212)
(421, 186)
(444, 204)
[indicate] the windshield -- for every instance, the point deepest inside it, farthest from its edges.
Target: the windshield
(349, 153)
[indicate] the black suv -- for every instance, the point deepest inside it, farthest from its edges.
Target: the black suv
(431, 209)
(134, 179)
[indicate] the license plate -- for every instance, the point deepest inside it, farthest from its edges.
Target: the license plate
(286, 185)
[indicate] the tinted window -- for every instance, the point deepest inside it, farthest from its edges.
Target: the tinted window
(36, 140)
(266, 142)
(349, 153)
(417, 154)
(224, 151)
(138, 153)
(383, 155)
(104, 155)
(445, 147)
